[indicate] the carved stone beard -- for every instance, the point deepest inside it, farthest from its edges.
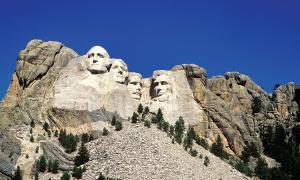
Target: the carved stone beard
(162, 88)
(134, 87)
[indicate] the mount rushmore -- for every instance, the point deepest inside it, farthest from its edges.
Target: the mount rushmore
(53, 84)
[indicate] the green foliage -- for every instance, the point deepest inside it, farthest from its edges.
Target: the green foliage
(101, 177)
(256, 105)
(77, 172)
(83, 155)
(146, 110)
(261, 169)
(243, 168)
(65, 176)
(250, 150)
(56, 133)
(42, 164)
(32, 124)
(46, 126)
(193, 152)
(202, 142)
(18, 174)
(140, 109)
(55, 167)
(188, 141)
(31, 138)
(113, 121)
(171, 130)
(165, 126)
(179, 129)
(69, 141)
(147, 123)
(206, 161)
(30, 131)
(159, 116)
(134, 118)
(37, 150)
(119, 125)
(85, 138)
(105, 132)
(50, 165)
(218, 150)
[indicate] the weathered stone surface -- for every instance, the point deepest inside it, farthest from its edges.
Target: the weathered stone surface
(137, 152)
(81, 94)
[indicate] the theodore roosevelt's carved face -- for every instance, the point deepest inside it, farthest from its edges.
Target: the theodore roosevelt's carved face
(162, 87)
(119, 71)
(135, 85)
(98, 60)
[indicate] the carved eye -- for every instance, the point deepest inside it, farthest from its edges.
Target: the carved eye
(156, 84)
(90, 55)
(164, 83)
(100, 55)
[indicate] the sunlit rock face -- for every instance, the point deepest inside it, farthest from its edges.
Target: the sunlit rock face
(98, 60)
(135, 85)
(119, 71)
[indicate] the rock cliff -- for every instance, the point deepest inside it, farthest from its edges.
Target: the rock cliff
(53, 84)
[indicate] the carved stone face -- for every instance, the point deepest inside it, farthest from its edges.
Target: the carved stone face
(119, 71)
(98, 60)
(162, 88)
(135, 85)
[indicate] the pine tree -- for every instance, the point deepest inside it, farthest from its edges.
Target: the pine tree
(46, 126)
(134, 118)
(56, 133)
(188, 141)
(119, 125)
(206, 161)
(113, 121)
(146, 110)
(217, 148)
(85, 138)
(140, 109)
(32, 124)
(147, 123)
(31, 138)
(31, 131)
(171, 130)
(50, 166)
(82, 156)
(105, 132)
(261, 169)
(77, 172)
(179, 129)
(65, 176)
(18, 174)
(159, 116)
(42, 164)
(55, 167)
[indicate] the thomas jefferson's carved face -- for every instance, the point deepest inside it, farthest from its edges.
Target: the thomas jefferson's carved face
(98, 60)
(162, 88)
(119, 71)
(134, 86)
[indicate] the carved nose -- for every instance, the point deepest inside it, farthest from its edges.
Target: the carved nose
(94, 61)
(121, 72)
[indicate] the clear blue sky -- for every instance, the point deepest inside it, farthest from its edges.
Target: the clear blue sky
(260, 38)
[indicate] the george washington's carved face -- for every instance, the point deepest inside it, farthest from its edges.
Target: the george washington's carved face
(162, 88)
(98, 60)
(119, 71)
(135, 85)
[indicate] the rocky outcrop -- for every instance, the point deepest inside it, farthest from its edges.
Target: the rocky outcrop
(81, 94)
